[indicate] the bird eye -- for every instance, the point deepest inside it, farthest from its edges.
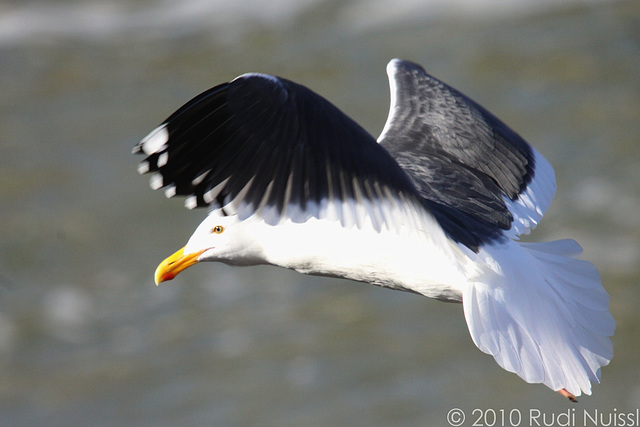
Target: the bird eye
(218, 229)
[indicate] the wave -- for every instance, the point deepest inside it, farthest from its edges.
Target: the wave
(106, 20)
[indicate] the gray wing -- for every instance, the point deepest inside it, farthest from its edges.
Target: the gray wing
(479, 178)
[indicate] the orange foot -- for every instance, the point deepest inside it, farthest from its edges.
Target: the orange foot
(568, 395)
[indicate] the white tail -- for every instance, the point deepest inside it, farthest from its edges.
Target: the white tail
(541, 313)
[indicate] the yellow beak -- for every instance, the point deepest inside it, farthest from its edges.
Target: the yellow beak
(173, 265)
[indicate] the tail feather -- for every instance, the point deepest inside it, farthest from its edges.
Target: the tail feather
(541, 313)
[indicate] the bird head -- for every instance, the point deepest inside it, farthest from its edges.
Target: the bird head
(219, 237)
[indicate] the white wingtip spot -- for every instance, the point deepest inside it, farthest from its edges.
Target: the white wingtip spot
(143, 167)
(163, 159)
(156, 140)
(199, 178)
(208, 196)
(170, 191)
(156, 181)
(191, 202)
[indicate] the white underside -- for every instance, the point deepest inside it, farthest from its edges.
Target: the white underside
(427, 263)
(537, 309)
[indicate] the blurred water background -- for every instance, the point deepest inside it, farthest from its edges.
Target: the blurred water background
(87, 339)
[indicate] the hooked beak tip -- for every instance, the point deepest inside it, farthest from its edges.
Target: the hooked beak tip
(174, 264)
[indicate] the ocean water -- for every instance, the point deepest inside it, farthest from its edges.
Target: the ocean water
(87, 339)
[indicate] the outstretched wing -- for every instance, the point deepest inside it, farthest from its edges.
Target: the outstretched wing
(480, 179)
(262, 145)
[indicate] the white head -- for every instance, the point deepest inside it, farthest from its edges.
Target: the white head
(219, 237)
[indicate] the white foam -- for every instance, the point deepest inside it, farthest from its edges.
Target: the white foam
(117, 19)
(366, 15)
(113, 19)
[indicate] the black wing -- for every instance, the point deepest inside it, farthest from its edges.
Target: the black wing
(475, 173)
(264, 144)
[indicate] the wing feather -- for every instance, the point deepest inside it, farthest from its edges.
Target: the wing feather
(481, 179)
(262, 145)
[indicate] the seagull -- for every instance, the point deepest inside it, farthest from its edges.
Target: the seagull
(434, 206)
